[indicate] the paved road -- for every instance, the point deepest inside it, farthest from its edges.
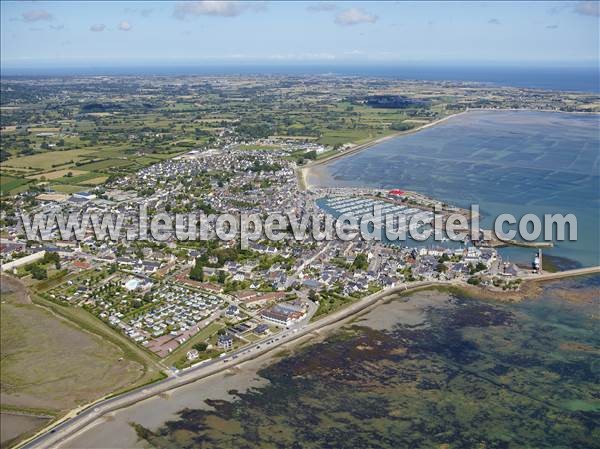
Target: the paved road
(563, 274)
(68, 427)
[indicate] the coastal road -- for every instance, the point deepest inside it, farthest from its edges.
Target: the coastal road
(564, 274)
(75, 422)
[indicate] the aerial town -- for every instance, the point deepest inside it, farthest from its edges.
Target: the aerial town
(191, 301)
(198, 151)
(299, 224)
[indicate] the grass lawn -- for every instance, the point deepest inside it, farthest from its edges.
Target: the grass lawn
(202, 335)
(330, 302)
(79, 179)
(67, 188)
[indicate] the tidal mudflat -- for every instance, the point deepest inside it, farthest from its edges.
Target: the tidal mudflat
(434, 369)
(13, 425)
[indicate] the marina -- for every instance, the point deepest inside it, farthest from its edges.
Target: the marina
(378, 212)
(507, 162)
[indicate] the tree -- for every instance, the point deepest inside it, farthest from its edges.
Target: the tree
(474, 281)
(361, 262)
(197, 273)
(38, 272)
(221, 277)
(51, 257)
(200, 347)
(311, 155)
(477, 268)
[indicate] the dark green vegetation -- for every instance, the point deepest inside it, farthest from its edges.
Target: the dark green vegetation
(330, 301)
(478, 375)
(196, 273)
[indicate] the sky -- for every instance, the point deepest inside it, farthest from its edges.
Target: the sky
(65, 33)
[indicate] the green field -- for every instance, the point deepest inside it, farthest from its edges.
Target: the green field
(8, 184)
(66, 188)
(47, 160)
(95, 181)
(50, 363)
(106, 164)
(356, 136)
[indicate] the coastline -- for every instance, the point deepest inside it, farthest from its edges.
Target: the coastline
(89, 416)
(305, 169)
(529, 289)
(506, 296)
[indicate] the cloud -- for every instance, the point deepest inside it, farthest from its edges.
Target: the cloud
(552, 27)
(124, 25)
(98, 27)
(184, 10)
(355, 16)
(494, 21)
(588, 8)
(321, 7)
(35, 15)
(57, 27)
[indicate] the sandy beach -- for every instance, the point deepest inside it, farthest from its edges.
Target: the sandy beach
(311, 170)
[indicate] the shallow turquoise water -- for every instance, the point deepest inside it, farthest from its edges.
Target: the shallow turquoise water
(513, 162)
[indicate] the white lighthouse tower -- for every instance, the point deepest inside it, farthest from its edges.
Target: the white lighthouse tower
(537, 261)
